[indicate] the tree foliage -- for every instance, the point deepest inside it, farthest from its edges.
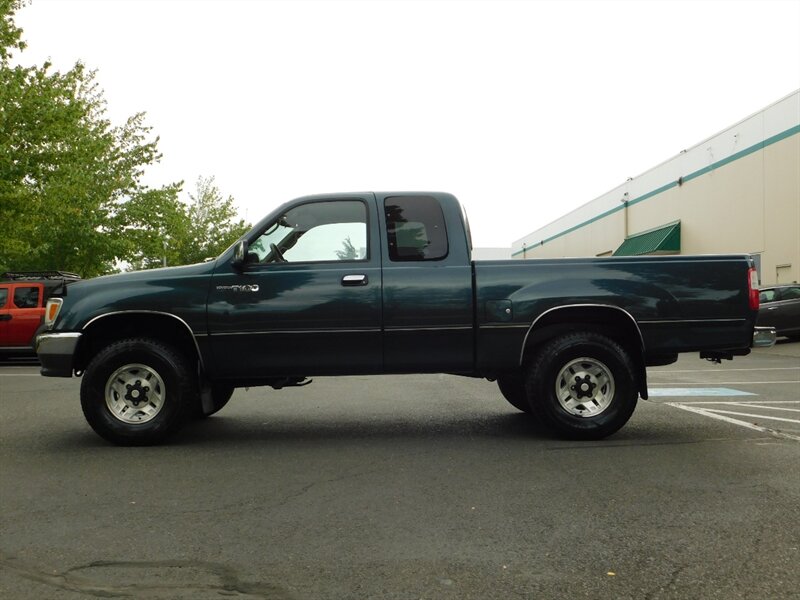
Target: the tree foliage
(211, 223)
(10, 34)
(71, 190)
(187, 233)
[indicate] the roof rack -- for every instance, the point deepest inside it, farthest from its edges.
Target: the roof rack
(31, 275)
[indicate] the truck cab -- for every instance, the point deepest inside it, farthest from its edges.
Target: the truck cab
(355, 283)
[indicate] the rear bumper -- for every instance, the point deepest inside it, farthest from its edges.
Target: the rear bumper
(56, 352)
(764, 337)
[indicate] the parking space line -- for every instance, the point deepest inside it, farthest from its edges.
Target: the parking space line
(742, 402)
(765, 407)
(729, 370)
(729, 383)
(683, 392)
(713, 415)
(20, 375)
(740, 414)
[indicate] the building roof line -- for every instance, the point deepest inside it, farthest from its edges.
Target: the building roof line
(682, 180)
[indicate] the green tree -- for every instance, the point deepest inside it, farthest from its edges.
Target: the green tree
(151, 225)
(71, 195)
(10, 34)
(182, 233)
(211, 224)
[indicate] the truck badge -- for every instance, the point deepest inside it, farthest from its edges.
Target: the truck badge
(239, 288)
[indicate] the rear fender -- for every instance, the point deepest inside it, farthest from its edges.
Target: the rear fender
(607, 319)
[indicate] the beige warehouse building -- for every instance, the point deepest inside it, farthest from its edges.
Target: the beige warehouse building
(736, 192)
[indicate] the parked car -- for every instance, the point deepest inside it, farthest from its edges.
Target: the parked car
(780, 308)
(23, 297)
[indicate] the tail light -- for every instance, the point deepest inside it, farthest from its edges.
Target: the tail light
(752, 283)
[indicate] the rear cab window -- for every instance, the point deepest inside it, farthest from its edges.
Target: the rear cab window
(415, 228)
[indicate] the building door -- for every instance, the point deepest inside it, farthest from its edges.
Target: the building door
(783, 274)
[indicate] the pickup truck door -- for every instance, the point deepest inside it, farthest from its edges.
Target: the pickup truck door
(427, 285)
(308, 299)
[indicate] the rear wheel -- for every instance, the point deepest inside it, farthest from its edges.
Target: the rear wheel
(513, 389)
(138, 391)
(584, 385)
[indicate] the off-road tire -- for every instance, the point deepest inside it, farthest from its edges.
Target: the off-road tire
(138, 391)
(592, 367)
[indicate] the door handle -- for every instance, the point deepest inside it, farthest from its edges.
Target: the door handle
(5, 317)
(355, 280)
(772, 308)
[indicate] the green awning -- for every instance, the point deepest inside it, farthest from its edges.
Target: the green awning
(662, 240)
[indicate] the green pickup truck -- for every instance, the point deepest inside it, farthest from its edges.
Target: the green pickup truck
(375, 283)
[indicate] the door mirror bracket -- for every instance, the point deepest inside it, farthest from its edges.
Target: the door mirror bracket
(239, 255)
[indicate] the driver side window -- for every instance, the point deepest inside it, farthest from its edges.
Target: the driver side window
(327, 231)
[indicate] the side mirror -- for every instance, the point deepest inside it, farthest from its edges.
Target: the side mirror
(239, 254)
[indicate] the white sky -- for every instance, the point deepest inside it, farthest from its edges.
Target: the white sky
(524, 110)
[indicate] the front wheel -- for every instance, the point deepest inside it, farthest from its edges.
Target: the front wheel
(584, 386)
(136, 392)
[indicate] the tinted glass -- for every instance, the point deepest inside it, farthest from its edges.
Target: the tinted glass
(790, 293)
(415, 227)
(3, 296)
(26, 297)
(766, 296)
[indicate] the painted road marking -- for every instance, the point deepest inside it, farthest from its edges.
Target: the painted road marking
(20, 375)
(672, 392)
(743, 403)
(714, 415)
(729, 370)
(752, 416)
(795, 381)
(781, 408)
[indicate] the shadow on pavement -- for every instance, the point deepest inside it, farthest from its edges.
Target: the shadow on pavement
(18, 361)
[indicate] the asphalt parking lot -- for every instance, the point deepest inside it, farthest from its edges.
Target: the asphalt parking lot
(760, 392)
(411, 487)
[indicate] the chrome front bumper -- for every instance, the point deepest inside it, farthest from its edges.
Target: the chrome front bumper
(56, 352)
(764, 337)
